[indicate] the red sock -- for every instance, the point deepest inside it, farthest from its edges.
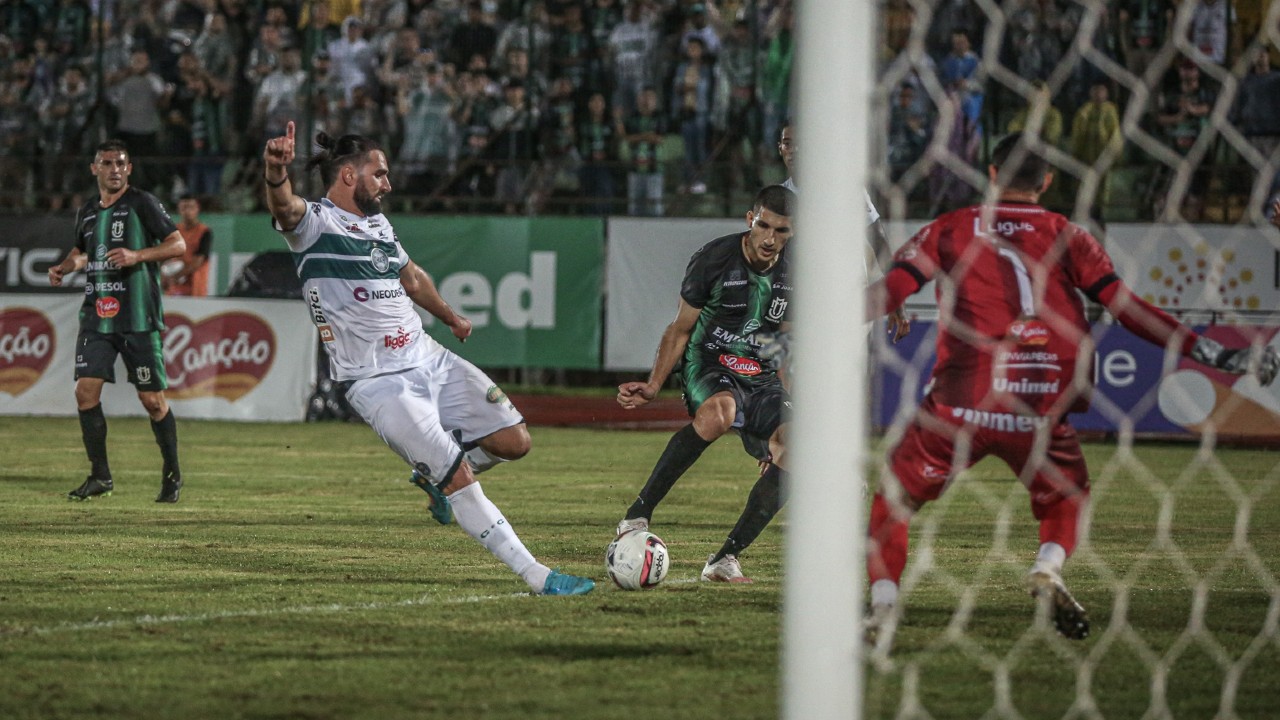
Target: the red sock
(886, 542)
(1058, 522)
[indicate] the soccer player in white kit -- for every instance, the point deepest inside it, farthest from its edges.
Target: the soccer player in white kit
(440, 413)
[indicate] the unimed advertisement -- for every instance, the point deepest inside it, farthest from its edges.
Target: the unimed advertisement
(1133, 382)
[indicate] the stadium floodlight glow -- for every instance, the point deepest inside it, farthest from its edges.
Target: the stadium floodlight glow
(822, 603)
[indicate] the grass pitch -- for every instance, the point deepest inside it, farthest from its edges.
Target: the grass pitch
(301, 577)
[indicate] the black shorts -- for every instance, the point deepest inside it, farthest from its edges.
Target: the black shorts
(142, 352)
(760, 404)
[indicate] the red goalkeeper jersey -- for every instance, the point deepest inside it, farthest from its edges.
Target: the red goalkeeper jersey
(1012, 331)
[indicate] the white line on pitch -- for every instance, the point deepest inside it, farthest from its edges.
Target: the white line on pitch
(232, 614)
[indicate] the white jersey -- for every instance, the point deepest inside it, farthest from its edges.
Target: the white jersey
(872, 214)
(869, 263)
(350, 270)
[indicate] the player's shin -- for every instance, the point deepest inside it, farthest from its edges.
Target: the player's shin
(93, 428)
(166, 432)
(762, 504)
(683, 450)
(482, 520)
(887, 541)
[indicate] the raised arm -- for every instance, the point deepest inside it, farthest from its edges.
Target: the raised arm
(285, 207)
(675, 339)
(422, 291)
(1156, 326)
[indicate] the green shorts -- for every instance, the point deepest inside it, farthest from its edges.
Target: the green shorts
(760, 401)
(142, 352)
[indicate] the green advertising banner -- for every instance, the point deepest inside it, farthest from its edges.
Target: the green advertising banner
(530, 286)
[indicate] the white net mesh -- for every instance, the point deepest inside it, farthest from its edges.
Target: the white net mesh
(1162, 122)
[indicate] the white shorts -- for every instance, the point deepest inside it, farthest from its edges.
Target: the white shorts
(431, 415)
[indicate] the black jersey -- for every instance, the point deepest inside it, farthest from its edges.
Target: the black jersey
(119, 300)
(736, 302)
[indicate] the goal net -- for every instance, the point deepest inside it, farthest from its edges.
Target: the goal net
(1161, 121)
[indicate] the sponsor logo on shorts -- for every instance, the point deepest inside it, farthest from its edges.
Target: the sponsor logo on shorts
(27, 342)
(1002, 422)
(397, 341)
(495, 395)
(143, 373)
(107, 307)
(740, 365)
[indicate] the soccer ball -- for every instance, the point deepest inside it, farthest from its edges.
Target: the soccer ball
(637, 561)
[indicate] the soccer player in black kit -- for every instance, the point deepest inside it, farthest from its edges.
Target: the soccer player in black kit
(122, 237)
(735, 287)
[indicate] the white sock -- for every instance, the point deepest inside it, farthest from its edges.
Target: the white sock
(1051, 558)
(482, 520)
(884, 592)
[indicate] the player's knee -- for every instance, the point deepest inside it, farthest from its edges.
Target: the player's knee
(154, 404)
(715, 417)
(510, 443)
(86, 398)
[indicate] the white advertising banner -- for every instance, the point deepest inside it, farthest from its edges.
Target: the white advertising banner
(1176, 267)
(644, 265)
(227, 359)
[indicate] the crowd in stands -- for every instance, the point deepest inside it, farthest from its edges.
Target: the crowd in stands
(599, 106)
(1071, 75)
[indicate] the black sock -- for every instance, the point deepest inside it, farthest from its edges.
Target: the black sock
(166, 432)
(93, 428)
(683, 450)
(763, 503)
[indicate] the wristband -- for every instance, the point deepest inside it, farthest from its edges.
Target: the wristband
(270, 184)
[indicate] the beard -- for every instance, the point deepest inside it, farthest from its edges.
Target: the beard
(367, 203)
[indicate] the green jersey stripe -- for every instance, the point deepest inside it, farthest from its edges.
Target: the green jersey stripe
(312, 267)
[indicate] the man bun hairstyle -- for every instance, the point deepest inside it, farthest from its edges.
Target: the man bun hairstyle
(1019, 166)
(776, 199)
(334, 153)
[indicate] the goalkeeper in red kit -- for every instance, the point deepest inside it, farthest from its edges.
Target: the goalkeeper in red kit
(1014, 359)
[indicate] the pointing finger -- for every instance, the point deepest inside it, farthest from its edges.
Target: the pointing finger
(288, 131)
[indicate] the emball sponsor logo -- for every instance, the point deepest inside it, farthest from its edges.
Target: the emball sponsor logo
(27, 343)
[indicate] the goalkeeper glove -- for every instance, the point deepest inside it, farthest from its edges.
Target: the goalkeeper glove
(775, 348)
(1238, 361)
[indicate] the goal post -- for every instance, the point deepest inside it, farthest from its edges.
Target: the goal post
(822, 602)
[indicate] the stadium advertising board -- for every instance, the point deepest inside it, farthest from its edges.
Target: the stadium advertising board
(530, 286)
(1131, 383)
(225, 359)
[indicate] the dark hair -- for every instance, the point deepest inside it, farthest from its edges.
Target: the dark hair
(111, 145)
(1019, 166)
(776, 199)
(334, 154)
(188, 196)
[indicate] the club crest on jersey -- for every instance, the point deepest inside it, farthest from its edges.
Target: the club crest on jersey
(777, 309)
(117, 230)
(379, 258)
(740, 365)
